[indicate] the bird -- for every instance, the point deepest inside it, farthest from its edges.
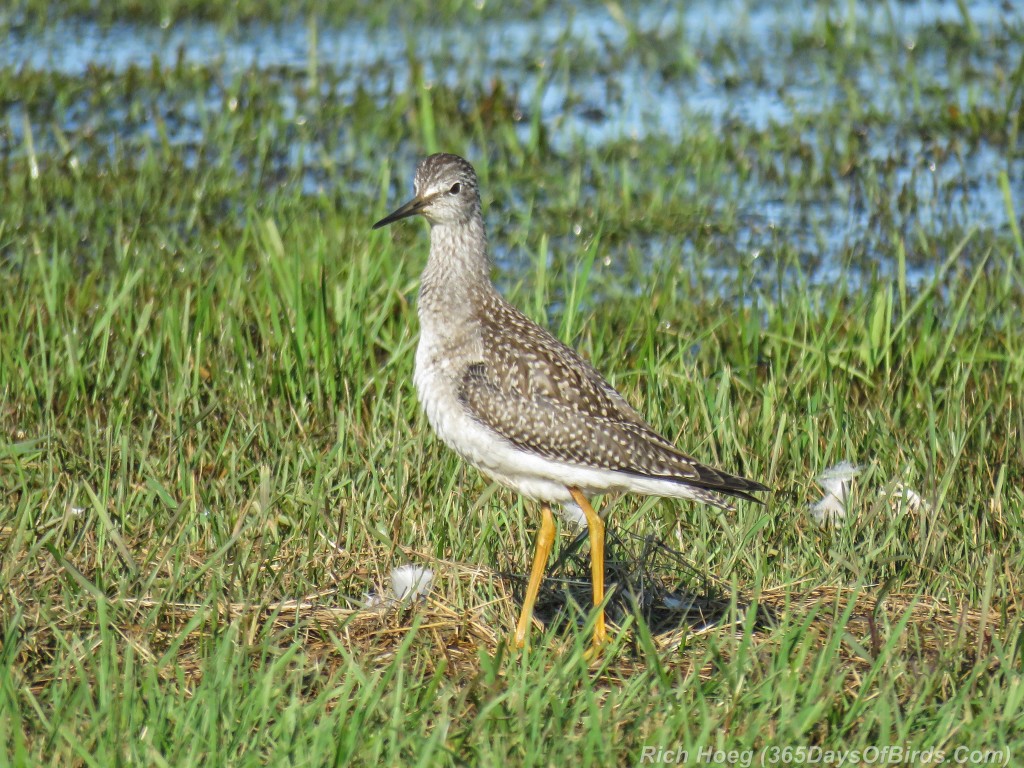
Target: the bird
(519, 405)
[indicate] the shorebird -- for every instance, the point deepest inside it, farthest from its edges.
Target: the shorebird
(519, 405)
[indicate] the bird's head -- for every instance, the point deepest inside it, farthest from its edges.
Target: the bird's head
(446, 192)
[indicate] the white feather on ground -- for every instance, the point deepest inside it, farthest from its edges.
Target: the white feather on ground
(571, 513)
(411, 582)
(903, 498)
(836, 481)
(408, 582)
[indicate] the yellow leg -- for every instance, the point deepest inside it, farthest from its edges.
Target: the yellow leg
(545, 538)
(596, 527)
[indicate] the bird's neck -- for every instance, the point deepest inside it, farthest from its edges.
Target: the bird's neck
(458, 271)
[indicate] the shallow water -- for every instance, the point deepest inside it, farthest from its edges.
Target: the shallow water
(750, 63)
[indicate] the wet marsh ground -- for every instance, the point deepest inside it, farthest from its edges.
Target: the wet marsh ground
(789, 233)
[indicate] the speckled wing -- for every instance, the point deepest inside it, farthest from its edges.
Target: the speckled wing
(541, 396)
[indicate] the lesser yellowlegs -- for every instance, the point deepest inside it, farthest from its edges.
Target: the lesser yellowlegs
(516, 403)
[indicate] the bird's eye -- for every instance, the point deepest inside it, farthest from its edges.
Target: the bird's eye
(456, 188)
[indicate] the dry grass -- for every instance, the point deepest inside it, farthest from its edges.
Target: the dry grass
(460, 623)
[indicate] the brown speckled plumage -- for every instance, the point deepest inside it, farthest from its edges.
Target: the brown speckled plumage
(543, 397)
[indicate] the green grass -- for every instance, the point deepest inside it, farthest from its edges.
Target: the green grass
(210, 446)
